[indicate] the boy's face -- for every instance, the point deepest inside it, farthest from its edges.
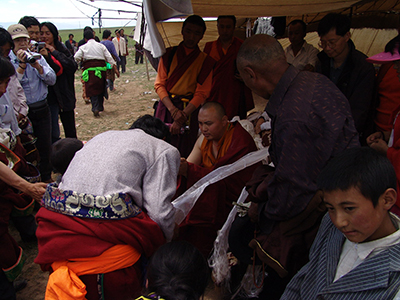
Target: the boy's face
(356, 217)
(192, 34)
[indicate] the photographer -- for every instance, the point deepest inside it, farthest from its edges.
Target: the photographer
(34, 77)
(61, 96)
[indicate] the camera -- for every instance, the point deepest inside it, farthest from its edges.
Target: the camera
(37, 45)
(31, 57)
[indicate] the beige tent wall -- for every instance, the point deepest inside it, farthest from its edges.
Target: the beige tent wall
(368, 40)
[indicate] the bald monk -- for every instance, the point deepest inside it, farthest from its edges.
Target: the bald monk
(220, 143)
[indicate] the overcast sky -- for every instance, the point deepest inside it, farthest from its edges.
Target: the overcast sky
(62, 12)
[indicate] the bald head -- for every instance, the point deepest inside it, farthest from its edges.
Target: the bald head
(259, 52)
(219, 109)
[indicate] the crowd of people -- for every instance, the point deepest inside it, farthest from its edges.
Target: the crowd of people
(321, 215)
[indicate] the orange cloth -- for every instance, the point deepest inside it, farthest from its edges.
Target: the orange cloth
(207, 158)
(64, 283)
(188, 82)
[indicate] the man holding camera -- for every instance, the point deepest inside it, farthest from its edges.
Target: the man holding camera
(34, 75)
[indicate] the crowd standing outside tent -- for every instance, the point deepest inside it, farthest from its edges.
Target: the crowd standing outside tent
(126, 179)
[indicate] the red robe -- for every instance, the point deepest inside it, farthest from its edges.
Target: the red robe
(231, 92)
(62, 237)
(212, 208)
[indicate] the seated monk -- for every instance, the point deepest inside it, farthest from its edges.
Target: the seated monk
(220, 143)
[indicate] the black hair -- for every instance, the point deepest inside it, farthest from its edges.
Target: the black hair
(178, 271)
(334, 21)
(29, 21)
(87, 28)
(153, 126)
(5, 38)
(54, 32)
(88, 34)
(232, 17)
(69, 35)
(298, 21)
(116, 31)
(196, 20)
(106, 34)
(362, 168)
(393, 45)
(62, 152)
(6, 68)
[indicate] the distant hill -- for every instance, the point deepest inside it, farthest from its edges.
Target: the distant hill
(78, 33)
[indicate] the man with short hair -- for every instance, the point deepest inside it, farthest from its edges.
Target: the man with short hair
(122, 50)
(348, 69)
(94, 57)
(299, 53)
(220, 143)
(227, 88)
(183, 83)
(34, 78)
(32, 25)
(71, 44)
(311, 123)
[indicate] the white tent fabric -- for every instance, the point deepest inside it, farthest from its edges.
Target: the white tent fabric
(159, 10)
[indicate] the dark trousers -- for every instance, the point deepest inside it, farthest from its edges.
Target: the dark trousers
(97, 102)
(138, 56)
(41, 123)
(122, 63)
(68, 122)
(55, 128)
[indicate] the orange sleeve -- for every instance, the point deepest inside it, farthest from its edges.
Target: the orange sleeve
(202, 91)
(159, 84)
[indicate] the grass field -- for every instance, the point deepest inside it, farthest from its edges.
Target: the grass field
(78, 33)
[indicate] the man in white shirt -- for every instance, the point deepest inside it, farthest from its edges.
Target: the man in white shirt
(94, 57)
(300, 54)
(120, 45)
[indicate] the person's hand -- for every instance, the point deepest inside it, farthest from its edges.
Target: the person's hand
(21, 55)
(373, 138)
(44, 52)
(35, 190)
(179, 116)
(183, 167)
(258, 125)
(309, 68)
(380, 146)
(175, 128)
(48, 47)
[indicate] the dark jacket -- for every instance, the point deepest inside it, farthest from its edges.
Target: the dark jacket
(63, 92)
(356, 82)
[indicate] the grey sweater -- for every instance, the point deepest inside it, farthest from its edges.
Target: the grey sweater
(131, 162)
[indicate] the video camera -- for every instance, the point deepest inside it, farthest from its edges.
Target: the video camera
(37, 46)
(31, 57)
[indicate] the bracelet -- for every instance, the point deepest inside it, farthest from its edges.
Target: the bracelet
(22, 67)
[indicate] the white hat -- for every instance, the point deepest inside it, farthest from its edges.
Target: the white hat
(17, 31)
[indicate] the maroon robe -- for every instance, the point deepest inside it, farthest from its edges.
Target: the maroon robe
(227, 89)
(212, 208)
(62, 237)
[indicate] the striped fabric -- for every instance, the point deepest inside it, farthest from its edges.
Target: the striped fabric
(376, 278)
